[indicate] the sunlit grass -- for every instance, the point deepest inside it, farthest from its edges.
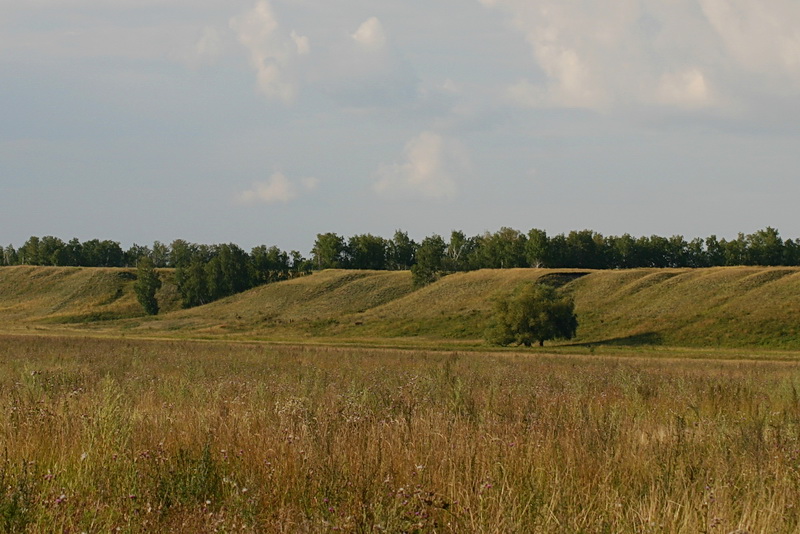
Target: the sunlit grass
(728, 307)
(145, 436)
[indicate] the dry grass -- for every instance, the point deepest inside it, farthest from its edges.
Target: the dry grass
(145, 436)
(71, 295)
(717, 307)
(723, 306)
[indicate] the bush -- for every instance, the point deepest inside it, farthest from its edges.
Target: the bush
(536, 313)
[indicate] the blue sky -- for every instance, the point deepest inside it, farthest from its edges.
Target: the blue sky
(269, 121)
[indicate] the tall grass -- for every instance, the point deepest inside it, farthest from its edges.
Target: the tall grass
(141, 436)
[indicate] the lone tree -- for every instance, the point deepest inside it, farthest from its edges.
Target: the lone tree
(146, 285)
(536, 313)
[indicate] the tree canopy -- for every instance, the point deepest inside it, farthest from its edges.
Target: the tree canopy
(146, 285)
(537, 313)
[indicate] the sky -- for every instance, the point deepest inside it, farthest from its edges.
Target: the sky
(269, 121)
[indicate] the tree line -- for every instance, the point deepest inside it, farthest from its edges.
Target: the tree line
(584, 249)
(204, 273)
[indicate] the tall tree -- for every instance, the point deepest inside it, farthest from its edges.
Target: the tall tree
(29, 251)
(402, 251)
(537, 249)
(765, 247)
(504, 249)
(328, 251)
(146, 285)
(135, 252)
(269, 264)
(367, 251)
(430, 256)
(10, 255)
(192, 283)
(463, 253)
(181, 253)
(160, 254)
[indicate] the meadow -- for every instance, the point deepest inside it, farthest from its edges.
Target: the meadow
(137, 435)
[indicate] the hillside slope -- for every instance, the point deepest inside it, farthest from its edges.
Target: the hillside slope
(69, 295)
(731, 307)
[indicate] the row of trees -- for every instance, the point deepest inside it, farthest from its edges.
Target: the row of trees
(506, 248)
(52, 251)
(510, 248)
(204, 273)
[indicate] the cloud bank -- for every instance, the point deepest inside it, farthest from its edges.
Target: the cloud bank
(684, 53)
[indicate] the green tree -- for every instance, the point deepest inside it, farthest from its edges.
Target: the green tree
(181, 253)
(504, 249)
(537, 249)
(462, 252)
(367, 251)
(765, 247)
(715, 251)
(299, 264)
(146, 285)
(106, 253)
(402, 251)
(228, 271)
(132, 255)
(537, 313)
(51, 251)
(192, 283)
(29, 252)
(269, 264)
(430, 256)
(160, 254)
(586, 249)
(328, 251)
(10, 255)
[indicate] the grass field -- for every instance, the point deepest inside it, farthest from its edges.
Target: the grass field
(104, 435)
(727, 307)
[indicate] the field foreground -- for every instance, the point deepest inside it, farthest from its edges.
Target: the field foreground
(183, 436)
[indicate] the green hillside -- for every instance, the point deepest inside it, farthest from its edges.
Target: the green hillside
(69, 295)
(728, 307)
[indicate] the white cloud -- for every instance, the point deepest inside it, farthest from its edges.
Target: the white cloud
(688, 54)
(605, 55)
(429, 170)
(278, 189)
(302, 43)
(762, 37)
(371, 34)
(271, 52)
(363, 70)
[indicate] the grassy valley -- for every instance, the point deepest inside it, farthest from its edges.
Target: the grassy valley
(673, 411)
(715, 307)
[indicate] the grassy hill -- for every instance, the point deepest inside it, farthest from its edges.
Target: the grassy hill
(728, 307)
(70, 295)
